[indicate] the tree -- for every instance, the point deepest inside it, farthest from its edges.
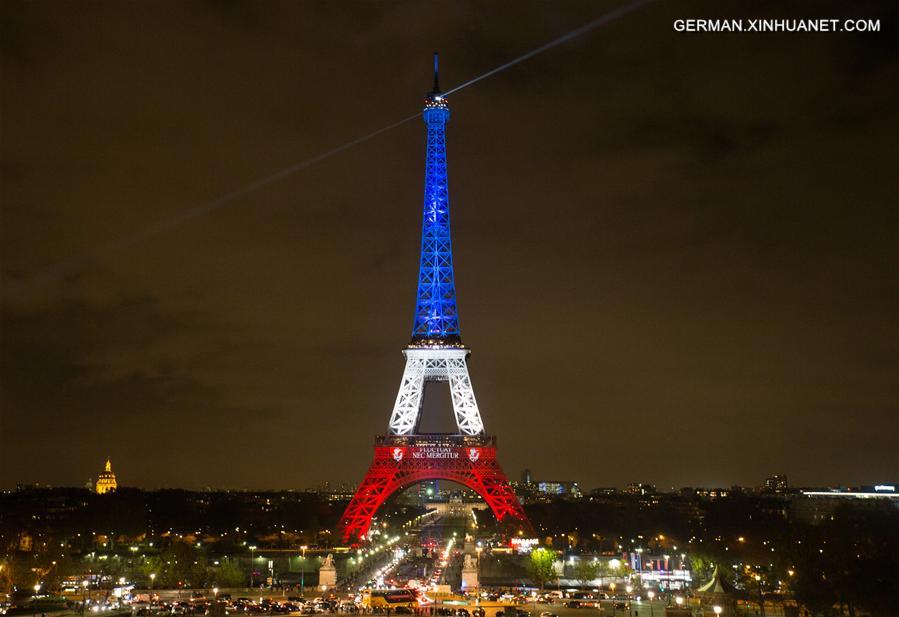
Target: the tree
(229, 574)
(542, 566)
(701, 566)
(586, 570)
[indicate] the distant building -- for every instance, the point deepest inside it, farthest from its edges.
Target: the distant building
(561, 488)
(604, 490)
(531, 490)
(818, 505)
(776, 484)
(106, 481)
(635, 488)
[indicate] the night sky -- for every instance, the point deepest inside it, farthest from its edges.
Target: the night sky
(675, 253)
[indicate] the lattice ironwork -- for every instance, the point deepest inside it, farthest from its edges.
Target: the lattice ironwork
(424, 365)
(436, 317)
(398, 466)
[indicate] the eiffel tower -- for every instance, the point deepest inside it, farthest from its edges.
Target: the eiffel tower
(403, 455)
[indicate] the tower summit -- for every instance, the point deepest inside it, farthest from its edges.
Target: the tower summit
(404, 455)
(436, 317)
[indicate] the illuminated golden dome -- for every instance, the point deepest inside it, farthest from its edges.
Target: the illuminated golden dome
(106, 480)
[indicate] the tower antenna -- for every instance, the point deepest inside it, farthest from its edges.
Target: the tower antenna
(436, 78)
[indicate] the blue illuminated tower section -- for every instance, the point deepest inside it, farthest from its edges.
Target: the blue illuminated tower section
(436, 316)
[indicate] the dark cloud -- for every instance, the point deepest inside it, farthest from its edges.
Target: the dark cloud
(675, 253)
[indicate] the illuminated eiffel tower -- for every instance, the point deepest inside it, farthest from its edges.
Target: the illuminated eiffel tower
(403, 455)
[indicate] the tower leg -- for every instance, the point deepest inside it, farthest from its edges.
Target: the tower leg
(378, 484)
(465, 407)
(404, 418)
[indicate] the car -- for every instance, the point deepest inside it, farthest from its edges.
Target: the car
(548, 614)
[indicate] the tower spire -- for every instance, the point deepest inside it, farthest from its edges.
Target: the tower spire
(436, 320)
(436, 74)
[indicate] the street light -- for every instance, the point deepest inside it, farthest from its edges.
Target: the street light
(215, 592)
(679, 601)
(252, 565)
(152, 579)
(37, 588)
(717, 609)
(758, 579)
(303, 571)
(650, 595)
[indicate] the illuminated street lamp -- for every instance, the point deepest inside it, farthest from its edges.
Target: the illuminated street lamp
(37, 588)
(252, 565)
(152, 579)
(758, 579)
(215, 592)
(717, 609)
(650, 595)
(303, 570)
(679, 601)
(84, 585)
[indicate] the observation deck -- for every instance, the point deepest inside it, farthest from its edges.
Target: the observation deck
(437, 440)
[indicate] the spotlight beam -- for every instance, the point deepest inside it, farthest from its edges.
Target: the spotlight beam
(599, 21)
(163, 225)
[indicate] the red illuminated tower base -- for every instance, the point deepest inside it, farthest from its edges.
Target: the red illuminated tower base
(404, 460)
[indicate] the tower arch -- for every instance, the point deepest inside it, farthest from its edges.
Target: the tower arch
(401, 462)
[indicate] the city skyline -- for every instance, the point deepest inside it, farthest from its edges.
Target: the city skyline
(672, 269)
(338, 486)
